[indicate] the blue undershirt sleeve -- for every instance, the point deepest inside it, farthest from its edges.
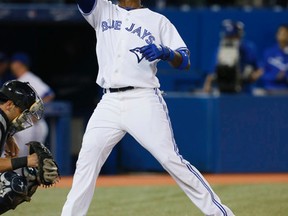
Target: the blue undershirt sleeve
(185, 53)
(86, 5)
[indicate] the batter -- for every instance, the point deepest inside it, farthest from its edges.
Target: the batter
(131, 40)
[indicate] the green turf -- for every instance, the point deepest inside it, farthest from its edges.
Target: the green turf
(244, 200)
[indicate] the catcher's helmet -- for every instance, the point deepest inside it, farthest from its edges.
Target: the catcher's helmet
(232, 29)
(21, 93)
(26, 98)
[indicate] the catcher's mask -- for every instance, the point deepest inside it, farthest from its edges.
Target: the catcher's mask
(25, 97)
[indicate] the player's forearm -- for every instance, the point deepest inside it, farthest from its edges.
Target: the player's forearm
(256, 75)
(48, 98)
(178, 60)
(269, 76)
(7, 164)
(208, 83)
(86, 5)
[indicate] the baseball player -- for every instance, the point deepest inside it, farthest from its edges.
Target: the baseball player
(20, 108)
(131, 40)
(274, 65)
(20, 63)
(5, 74)
(234, 55)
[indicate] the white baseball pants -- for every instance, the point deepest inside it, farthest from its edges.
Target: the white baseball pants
(143, 114)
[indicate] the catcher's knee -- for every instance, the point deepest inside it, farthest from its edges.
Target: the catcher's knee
(13, 190)
(30, 175)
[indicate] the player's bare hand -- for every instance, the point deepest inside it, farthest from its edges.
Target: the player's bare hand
(32, 160)
(281, 75)
(256, 75)
(207, 89)
(11, 147)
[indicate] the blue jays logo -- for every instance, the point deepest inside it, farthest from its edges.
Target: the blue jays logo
(139, 55)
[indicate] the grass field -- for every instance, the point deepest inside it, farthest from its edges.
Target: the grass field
(244, 200)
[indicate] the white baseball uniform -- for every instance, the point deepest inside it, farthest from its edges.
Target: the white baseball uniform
(141, 111)
(39, 131)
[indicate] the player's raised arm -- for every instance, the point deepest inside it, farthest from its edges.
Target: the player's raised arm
(86, 6)
(179, 58)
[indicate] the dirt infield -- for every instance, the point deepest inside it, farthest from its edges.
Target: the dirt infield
(163, 179)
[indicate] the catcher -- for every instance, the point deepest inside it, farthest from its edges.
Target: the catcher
(20, 108)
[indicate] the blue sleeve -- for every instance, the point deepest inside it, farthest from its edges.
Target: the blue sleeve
(210, 67)
(269, 72)
(185, 53)
(253, 56)
(86, 5)
(249, 50)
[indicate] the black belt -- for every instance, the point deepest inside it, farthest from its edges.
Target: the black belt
(122, 89)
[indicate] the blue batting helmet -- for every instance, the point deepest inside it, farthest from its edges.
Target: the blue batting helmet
(232, 29)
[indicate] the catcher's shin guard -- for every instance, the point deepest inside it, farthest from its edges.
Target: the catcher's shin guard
(13, 190)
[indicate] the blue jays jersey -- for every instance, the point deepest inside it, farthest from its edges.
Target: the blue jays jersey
(120, 34)
(248, 55)
(275, 60)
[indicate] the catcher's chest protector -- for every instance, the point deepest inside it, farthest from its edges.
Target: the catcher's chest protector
(3, 129)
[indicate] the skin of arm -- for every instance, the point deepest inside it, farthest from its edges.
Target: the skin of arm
(176, 62)
(256, 75)
(48, 98)
(11, 147)
(208, 83)
(6, 165)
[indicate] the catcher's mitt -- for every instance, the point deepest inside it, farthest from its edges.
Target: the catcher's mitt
(47, 170)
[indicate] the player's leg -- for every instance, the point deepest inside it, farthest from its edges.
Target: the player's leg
(99, 139)
(155, 134)
(96, 146)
